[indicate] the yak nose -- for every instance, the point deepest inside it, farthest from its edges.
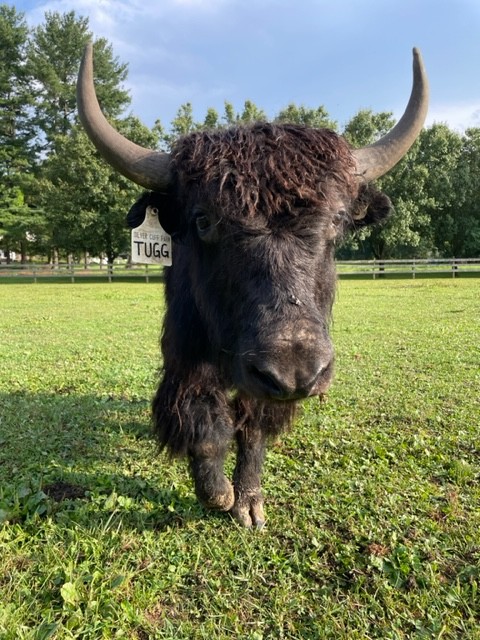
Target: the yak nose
(270, 381)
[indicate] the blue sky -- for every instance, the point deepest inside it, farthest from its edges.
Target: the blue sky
(343, 54)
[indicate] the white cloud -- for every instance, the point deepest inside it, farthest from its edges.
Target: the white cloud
(458, 116)
(275, 52)
(207, 5)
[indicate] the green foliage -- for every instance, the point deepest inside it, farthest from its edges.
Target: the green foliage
(55, 52)
(18, 222)
(45, 161)
(185, 123)
(91, 216)
(317, 118)
(16, 129)
(229, 114)
(372, 497)
(404, 187)
(250, 113)
(212, 120)
(367, 127)
(461, 233)
(428, 188)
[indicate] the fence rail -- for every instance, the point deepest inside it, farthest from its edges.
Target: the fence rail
(424, 268)
(72, 272)
(413, 268)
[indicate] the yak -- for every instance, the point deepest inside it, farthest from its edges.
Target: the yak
(255, 212)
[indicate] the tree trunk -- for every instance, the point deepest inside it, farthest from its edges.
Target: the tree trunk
(23, 252)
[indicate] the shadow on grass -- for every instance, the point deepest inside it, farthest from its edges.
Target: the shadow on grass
(88, 457)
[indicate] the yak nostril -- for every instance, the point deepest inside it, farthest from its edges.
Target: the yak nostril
(268, 382)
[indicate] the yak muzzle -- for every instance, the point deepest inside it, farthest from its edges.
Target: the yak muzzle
(269, 383)
(286, 370)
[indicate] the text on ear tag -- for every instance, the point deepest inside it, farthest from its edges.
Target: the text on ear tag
(150, 243)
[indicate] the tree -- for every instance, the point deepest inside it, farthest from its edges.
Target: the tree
(317, 118)
(402, 235)
(55, 191)
(85, 199)
(21, 226)
(250, 113)
(181, 125)
(211, 120)
(229, 114)
(16, 130)
(54, 55)
(439, 152)
(366, 127)
(461, 230)
(185, 123)
(55, 52)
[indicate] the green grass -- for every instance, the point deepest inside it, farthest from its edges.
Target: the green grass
(373, 499)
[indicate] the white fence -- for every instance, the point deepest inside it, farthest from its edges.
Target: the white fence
(77, 272)
(441, 268)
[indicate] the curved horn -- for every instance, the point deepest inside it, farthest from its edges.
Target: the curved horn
(376, 159)
(148, 168)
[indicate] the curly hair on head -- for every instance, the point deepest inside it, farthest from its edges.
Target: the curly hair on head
(266, 166)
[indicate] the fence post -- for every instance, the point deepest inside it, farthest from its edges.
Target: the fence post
(413, 269)
(454, 267)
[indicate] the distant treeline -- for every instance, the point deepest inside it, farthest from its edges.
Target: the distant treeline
(58, 198)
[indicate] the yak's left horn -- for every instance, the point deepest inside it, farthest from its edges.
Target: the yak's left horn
(150, 169)
(378, 158)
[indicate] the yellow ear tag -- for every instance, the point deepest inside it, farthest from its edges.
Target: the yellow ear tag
(150, 243)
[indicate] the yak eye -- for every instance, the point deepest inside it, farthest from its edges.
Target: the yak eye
(203, 224)
(205, 229)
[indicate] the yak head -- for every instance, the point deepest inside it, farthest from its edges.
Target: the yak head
(255, 212)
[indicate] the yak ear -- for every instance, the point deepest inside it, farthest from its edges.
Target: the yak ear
(137, 213)
(168, 213)
(371, 206)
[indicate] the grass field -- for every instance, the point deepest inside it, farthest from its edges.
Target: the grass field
(373, 499)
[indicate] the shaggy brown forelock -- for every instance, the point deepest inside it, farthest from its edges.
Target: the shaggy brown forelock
(269, 167)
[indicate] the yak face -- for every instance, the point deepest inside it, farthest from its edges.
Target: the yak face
(255, 213)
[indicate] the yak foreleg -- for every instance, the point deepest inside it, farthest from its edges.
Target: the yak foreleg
(192, 418)
(256, 422)
(207, 458)
(248, 507)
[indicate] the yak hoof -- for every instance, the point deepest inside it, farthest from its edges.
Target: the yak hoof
(222, 500)
(248, 511)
